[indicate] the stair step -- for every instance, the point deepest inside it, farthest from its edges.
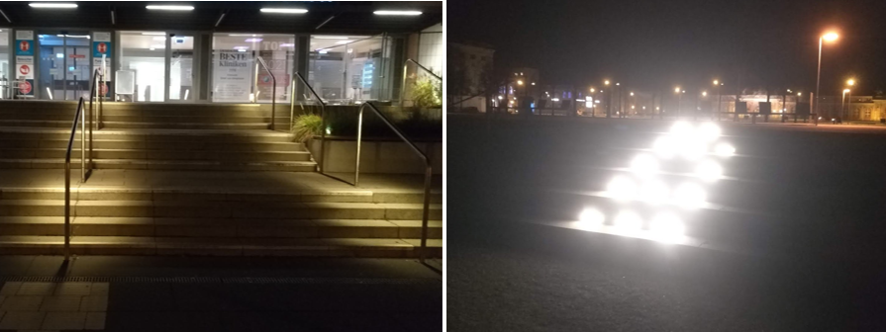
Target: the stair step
(169, 155)
(231, 228)
(207, 144)
(180, 165)
(210, 195)
(185, 125)
(149, 135)
(125, 245)
(220, 210)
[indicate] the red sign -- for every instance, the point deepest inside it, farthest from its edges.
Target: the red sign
(25, 69)
(24, 45)
(25, 88)
(102, 47)
(78, 56)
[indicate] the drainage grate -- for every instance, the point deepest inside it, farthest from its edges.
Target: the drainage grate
(228, 280)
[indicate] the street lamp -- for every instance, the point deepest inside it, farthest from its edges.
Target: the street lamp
(850, 82)
(519, 82)
(679, 99)
(606, 82)
(829, 37)
(843, 101)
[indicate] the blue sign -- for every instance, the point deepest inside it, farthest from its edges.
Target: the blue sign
(100, 48)
(24, 47)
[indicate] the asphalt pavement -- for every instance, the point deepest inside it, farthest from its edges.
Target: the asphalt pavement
(803, 219)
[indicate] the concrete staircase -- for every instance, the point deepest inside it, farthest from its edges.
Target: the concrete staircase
(225, 214)
(191, 222)
(207, 137)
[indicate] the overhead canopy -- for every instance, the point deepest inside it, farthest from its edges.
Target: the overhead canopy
(241, 16)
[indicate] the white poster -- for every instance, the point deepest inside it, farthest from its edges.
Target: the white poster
(24, 67)
(232, 76)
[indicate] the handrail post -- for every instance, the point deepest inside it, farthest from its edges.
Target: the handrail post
(291, 103)
(426, 211)
(67, 249)
(403, 85)
(359, 142)
(273, 101)
(82, 147)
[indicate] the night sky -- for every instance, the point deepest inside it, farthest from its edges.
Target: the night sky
(660, 44)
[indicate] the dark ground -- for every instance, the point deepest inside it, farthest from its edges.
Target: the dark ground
(246, 294)
(811, 251)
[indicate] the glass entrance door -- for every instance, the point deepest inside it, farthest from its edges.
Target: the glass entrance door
(181, 67)
(64, 67)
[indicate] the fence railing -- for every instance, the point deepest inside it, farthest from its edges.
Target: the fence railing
(292, 98)
(261, 62)
(80, 118)
(423, 68)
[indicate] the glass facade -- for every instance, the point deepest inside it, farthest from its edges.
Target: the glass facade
(350, 69)
(162, 66)
(144, 54)
(237, 75)
(4, 63)
(64, 64)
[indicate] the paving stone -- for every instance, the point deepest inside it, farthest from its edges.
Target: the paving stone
(61, 303)
(36, 288)
(31, 320)
(10, 288)
(95, 320)
(73, 288)
(99, 288)
(94, 303)
(64, 321)
(21, 303)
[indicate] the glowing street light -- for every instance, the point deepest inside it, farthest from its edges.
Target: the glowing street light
(679, 99)
(704, 93)
(592, 90)
(829, 37)
(519, 82)
(632, 94)
(850, 82)
(606, 82)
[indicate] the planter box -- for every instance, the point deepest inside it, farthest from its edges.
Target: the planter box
(378, 156)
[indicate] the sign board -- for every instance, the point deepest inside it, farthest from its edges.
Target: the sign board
(802, 109)
(232, 76)
(765, 108)
(24, 61)
(741, 107)
(125, 82)
(101, 55)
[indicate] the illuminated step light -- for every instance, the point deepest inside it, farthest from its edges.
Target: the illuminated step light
(284, 10)
(398, 12)
(53, 5)
(169, 7)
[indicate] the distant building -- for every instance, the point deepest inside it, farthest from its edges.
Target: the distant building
(469, 67)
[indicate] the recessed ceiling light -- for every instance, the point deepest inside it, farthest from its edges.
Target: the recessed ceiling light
(53, 5)
(284, 10)
(169, 7)
(342, 42)
(330, 37)
(153, 33)
(398, 12)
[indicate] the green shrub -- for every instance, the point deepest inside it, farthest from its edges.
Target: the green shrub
(306, 126)
(426, 93)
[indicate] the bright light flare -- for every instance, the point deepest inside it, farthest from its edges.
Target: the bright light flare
(628, 221)
(654, 192)
(667, 227)
(690, 196)
(665, 147)
(709, 170)
(725, 149)
(644, 165)
(590, 218)
(830, 36)
(622, 188)
(709, 131)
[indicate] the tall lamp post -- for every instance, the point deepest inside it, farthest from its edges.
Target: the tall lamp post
(851, 83)
(830, 36)
(679, 99)
(608, 100)
(843, 102)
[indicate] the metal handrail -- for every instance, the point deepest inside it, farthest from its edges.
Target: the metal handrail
(273, 89)
(422, 155)
(322, 116)
(403, 85)
(79, 118)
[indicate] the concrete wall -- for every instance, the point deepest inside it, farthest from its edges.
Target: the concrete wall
(380, 157)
